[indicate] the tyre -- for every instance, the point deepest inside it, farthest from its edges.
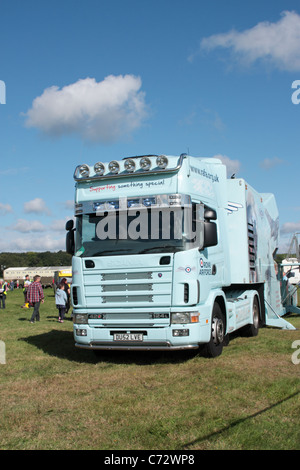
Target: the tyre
(215, 346)
(253, 328)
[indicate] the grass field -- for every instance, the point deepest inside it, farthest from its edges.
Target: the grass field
(53, 396)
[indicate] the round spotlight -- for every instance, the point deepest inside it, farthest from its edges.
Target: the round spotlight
(129, 165)
(162, 162)
(114, 167)
(84, 170)
(145, 163)
(99, 168)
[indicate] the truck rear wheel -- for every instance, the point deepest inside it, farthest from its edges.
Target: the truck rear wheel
(215, 346)
(252, 329)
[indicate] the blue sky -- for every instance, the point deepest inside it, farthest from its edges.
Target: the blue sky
(96, 80)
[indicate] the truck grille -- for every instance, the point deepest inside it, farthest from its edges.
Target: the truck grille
(136, 288)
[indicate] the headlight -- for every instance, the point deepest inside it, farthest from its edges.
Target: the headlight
(145, 163)
(184, 317)
(114, 167)
(99, 168)
(80, 319)
(162, 162)
(129, 165)
(84, 170)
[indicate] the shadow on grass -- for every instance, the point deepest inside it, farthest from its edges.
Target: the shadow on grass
(61, 345)
(237, 422)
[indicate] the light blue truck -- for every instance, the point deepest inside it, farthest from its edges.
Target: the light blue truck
(170, 254)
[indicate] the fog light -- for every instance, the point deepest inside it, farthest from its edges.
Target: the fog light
(99, 168)
(84, 170)
(80, 332)
(145, 163)
(162, 162)
(185, 332)
(114, 167)
(129, 165)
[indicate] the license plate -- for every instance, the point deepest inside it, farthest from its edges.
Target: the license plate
(128, 337)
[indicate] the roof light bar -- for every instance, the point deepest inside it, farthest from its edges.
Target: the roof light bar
(129, 167)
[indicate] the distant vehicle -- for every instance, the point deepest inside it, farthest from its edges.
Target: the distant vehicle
(61, 274)
(19, 273)
(291, 268)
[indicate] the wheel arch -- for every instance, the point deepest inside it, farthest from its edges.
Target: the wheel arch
(221, 301)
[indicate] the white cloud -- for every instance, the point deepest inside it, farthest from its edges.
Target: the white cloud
(31, 226)
(59, 225)
(232, 166)
(269, 163)
(290, 227)
(26, 226)
(29, 243)
(69, 205)
(36, 206)
(14, 171)
(5, 209)
(98, 112)
(277, 42)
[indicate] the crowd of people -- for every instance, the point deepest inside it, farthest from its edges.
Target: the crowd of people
(34, 296)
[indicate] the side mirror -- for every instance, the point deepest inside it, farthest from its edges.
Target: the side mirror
(210, 228)
(210, 234)
(70, 225)
(70, 242)
(210, 214)
(70, 238)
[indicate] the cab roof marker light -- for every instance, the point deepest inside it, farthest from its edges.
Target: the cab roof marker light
(133, 202)
(99, 168)
(162, 162)
(145, 163)
(129, 165)
(112, 204)
(98, 206)
(114, 167)
(143, 202)
(149, 201)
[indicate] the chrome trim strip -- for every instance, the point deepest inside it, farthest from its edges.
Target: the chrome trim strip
(166, 346)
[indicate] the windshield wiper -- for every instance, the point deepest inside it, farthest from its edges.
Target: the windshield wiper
(162, 249)
(108, 251)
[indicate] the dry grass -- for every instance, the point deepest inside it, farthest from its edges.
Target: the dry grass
(54, 396)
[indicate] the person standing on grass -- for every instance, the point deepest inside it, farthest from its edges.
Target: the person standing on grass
(61, 300)
(67, 291)
(27, 283)
(35, 295)
(3, 289)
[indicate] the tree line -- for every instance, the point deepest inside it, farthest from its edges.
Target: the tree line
(34, 259)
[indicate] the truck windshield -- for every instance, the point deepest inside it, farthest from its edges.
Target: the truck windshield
(144, 231)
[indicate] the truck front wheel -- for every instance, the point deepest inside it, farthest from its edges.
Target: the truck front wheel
(215, 346)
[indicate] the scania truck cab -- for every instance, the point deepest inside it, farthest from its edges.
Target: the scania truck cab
(170, 254)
